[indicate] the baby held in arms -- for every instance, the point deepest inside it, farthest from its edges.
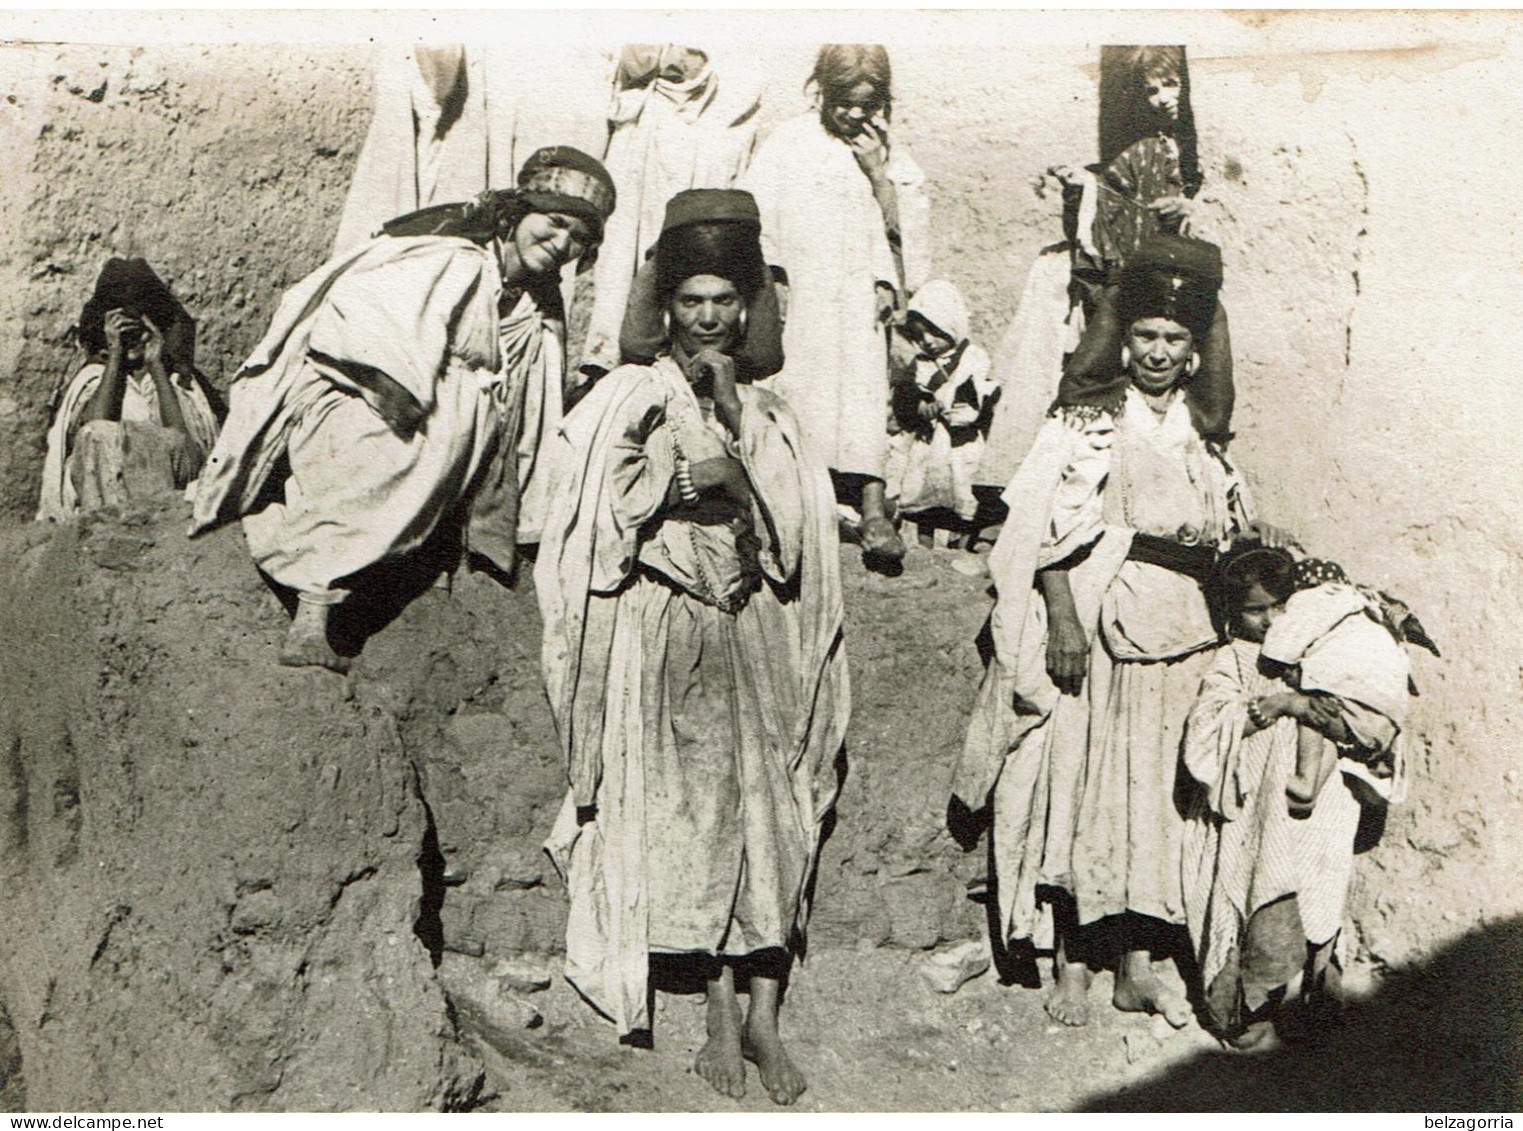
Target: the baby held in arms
(1338, 647)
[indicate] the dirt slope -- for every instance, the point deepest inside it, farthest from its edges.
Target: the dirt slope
(227, 883)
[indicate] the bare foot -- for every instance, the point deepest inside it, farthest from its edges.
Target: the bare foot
(720, 1061)
(763, 1047)
(1069, 1000)
(880, 540)
(1138, 990)
(306, 643)
(1259, 1036)
(1301, 795)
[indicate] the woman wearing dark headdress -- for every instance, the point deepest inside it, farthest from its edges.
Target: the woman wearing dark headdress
(138, 419)
(689, 584)
(845, 215)
(1144, 185)
(1102, 630)
(400, 381)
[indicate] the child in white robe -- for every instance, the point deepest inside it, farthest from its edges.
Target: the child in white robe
(943, 397)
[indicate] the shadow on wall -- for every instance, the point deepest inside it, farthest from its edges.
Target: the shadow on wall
(1443, 1034)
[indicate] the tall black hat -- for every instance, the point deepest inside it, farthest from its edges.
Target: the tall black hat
(707, 232)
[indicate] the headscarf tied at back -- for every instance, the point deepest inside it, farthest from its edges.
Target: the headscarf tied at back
(557, 178)
(131, 285)
(707, 232)
(1172, 277)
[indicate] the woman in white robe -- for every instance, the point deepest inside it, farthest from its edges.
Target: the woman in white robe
(679, 119)
(845, 218)
(396, 391)
(689, 583)
(1116, 517)
(137, 419)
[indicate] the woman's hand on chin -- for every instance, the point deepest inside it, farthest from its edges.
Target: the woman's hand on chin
(721, 371)
(1273, 536)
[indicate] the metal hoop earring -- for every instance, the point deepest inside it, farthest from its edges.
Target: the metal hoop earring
(741, 323)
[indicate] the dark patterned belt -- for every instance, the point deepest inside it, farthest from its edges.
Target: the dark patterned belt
(1197, 562)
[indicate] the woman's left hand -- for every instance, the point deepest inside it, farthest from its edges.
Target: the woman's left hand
(870, 148)
(721, 370)
(1273, 537)
(153, 343)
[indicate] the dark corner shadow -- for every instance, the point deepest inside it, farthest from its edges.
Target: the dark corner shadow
(1442, 1035)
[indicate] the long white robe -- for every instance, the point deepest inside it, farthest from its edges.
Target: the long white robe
(666, 136)
(1029, 365)
(822, 225)
(140, 407)
(700, 743)
(382, 379)
(409, 162)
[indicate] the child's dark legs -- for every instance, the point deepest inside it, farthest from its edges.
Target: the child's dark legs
(1324, 975)
(1138, 988)
(761, 1043)
(720, 1061)
(1322, 986)
(1069, 1000)
(1259, 1033)
(1315, 759)
(1319, 1007)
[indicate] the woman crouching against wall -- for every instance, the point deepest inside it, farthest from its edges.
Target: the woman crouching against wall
(689, 582)
(401, 390)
